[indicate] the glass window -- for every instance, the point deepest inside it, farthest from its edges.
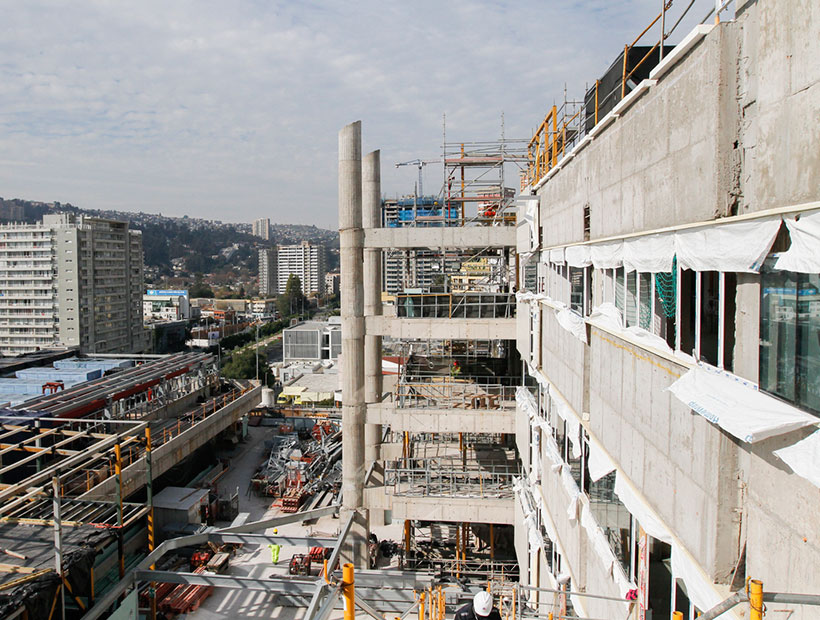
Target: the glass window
(645, 311)
(790, 336)
(576, 299)
(631, 312)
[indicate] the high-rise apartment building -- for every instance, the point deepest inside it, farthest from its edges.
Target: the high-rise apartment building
(305, 261)
(261, 228)
(268, 280)
(71, 281)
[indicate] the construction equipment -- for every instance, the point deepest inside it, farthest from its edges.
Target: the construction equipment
(420, 163)
(299, 564)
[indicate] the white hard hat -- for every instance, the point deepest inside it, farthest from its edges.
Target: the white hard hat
(483, 603)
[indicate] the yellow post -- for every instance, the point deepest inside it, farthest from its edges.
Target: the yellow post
(677, 615)
(623, 78)
(348, 591)
(755, 599)
(554, 136)
(421, 607)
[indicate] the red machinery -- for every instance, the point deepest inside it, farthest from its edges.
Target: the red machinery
(299, 564)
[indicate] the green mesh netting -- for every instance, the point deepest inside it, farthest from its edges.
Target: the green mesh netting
(666, 285)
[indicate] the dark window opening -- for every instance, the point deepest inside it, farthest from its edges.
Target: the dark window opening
(687, 311)
(587, 228)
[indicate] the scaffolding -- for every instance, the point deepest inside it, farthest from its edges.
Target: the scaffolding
(475, 180)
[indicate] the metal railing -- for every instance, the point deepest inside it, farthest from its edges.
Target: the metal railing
(456, 305)
(453, 393)
(449, 477)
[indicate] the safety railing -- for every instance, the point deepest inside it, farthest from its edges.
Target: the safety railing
(85, 479)
(453, 393)
(449, 478)
(456, 305)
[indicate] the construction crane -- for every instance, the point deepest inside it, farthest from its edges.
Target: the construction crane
(420, 163)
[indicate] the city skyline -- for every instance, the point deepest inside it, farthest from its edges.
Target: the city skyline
(231, 113)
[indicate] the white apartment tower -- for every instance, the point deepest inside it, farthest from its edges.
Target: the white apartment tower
(305, 261)
(261, 228)
(268, 280)
(71, 281)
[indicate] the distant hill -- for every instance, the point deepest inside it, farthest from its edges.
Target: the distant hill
(204, 246)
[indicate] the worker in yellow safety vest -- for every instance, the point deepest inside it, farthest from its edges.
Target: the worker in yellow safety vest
(274, 549)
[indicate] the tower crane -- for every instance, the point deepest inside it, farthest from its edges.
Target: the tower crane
(420, 163)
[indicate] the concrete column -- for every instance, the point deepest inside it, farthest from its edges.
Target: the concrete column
(373, 384)
(352, 311)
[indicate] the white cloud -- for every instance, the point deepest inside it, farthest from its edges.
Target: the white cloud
(231, 110)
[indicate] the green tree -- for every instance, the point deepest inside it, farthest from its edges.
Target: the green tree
(242, 366)
(200, 289)
(292, 300)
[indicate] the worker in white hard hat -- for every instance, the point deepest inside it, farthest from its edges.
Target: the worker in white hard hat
(480, 608)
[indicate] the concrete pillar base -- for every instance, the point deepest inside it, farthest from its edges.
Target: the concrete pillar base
(354, 548)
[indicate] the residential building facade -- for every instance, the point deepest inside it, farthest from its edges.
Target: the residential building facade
(268, 275)
(261, 228)
(71, 281)
(307, 262)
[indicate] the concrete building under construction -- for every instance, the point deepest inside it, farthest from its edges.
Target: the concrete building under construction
(665, 427)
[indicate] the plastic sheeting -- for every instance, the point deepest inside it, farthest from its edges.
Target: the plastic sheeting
(573, 424)
(639, 509)
(600, 544)
(739, 246)
(598, 463)
(607, 255)
(573, 323)
(804, 254)
(557, 256)
(699, 588)
(607, 316)
(736, 405)
(649, 253)
(578, 256)
(804, 458)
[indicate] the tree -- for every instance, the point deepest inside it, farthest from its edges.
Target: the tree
(200, 289)
(292, 300)
(242, 366)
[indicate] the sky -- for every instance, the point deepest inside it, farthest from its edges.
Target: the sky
(231, 110)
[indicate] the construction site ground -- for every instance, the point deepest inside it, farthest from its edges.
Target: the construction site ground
(255, 561)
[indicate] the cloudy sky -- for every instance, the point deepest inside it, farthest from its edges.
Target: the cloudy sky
(231, 110)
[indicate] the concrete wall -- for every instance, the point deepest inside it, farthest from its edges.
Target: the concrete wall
(658, 164)
(731, 128)
(779, 103)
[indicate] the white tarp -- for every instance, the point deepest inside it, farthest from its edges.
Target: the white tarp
(578, 256)
(526, 401)
(599, 541)
(804, 254)
(573, 323)
(607, 316)
(736, 405)
(568, 415)
(803, 457)
(607, 255)
(649, 253)
(739, 246)
(640, 510)
(599, 463)
(700, 590)
(557, 256)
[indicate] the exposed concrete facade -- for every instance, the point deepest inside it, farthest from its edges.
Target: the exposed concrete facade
(730, 129)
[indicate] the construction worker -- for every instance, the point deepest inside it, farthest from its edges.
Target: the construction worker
(274, 549)
(455, 369)
(480, 608)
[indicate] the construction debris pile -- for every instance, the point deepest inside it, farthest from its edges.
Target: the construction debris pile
(303, 471)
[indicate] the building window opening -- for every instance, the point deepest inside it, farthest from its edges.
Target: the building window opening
(645, 300)
(789, 358)
(631, 301)
(666, 304)
(580, 290)
(688, 312)
(660, 578)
